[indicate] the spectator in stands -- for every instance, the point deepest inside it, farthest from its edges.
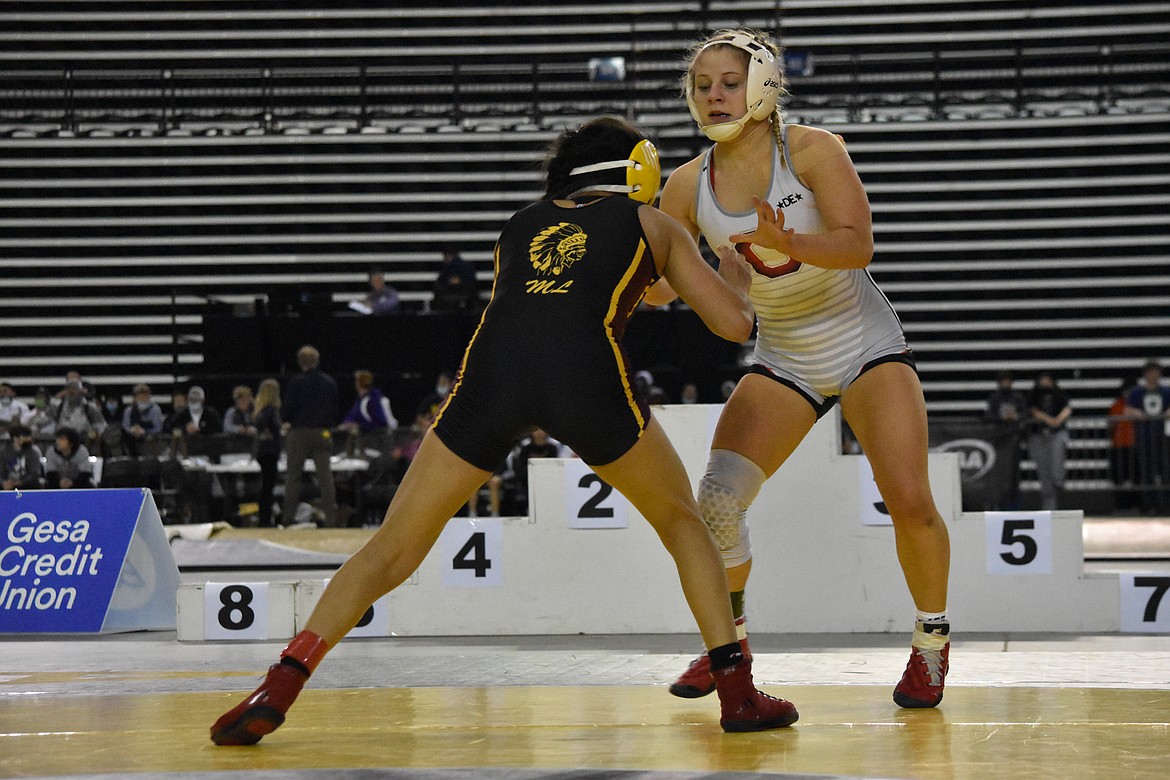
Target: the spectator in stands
(20, 465)
(197, 418)
(76, 411)
(141, 419)
(1122, 442)
(67, 465)
(75, 376)
(239, 419)
(369, 420)
(514, 478)
(40, 420)
(455, 288)
(310, 412)
(689, 394)
(650, 391)
(1006, 404)
(789, 197)
(268, 428)
(110, 403)
(433, 401)
(178, 409)
(1007, 408)
(381, 298)
(13, 411)
(113, 441)
(1148, 405)
(1049, 411)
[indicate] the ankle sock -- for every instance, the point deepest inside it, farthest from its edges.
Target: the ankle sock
(725, 656)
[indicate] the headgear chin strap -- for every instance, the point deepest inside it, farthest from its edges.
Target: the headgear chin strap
(643, 173)
(763, 87)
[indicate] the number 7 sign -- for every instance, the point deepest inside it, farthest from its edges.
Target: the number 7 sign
(1145, 604)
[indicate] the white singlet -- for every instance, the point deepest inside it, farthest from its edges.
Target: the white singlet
(818, 327)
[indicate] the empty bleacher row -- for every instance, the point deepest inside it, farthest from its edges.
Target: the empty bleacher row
(160, 162)
(158, 66)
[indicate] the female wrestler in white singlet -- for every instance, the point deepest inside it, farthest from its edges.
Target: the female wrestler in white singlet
(790, 200)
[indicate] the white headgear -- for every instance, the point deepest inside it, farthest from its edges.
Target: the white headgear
(643, 173)
(763, 86)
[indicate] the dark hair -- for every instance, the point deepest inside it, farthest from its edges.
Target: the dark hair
(19, 430)
(598, 140)
(71, 435)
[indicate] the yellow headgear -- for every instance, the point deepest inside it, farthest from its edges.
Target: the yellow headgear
(643, 173)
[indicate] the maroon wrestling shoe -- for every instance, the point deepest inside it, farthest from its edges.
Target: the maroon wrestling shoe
(746, 709)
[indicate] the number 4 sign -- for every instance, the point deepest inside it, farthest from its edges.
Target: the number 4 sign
(471, 550)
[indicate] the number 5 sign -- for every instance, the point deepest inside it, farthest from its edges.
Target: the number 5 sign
(1019, 542)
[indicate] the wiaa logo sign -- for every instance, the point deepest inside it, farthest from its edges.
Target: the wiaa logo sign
(976, 457)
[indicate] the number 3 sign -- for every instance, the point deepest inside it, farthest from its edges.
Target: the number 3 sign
(1019, 542)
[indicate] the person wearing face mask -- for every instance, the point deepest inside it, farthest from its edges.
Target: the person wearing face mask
(20, 466)
(76, 411)
(433, 401)
(142, 418)
(193, 422)
(13, 411)
(39, 420)
(198, 418)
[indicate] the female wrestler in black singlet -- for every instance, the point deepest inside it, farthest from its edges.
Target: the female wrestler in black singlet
(570, 269)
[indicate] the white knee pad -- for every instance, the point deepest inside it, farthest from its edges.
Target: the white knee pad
(730, 485)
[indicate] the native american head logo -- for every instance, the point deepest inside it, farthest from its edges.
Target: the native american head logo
(556, 248)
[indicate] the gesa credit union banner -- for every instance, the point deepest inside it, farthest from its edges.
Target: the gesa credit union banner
(82, 561)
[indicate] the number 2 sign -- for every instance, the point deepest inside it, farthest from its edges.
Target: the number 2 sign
(590, 502)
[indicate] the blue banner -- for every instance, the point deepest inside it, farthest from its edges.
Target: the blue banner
(61, 554)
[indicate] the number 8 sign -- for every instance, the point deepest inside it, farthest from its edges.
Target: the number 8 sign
(235, 610)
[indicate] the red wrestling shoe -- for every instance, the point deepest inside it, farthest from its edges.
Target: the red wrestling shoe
(746, 709)
(263, 711)
(926, 673)
(696, 681)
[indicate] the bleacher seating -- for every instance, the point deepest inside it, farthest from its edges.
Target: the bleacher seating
(161, 163)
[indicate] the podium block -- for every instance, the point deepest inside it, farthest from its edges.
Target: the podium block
(232, 611)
